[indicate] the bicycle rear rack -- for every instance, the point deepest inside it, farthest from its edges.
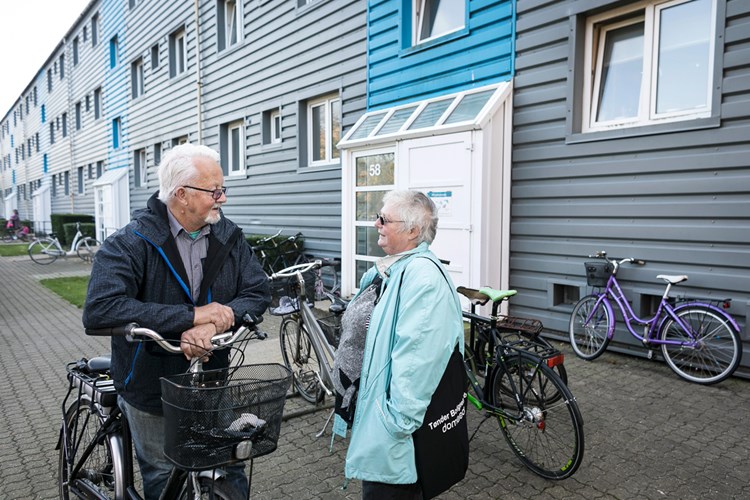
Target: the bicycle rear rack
(528, 325)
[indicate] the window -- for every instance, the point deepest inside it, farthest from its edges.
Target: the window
(136, 78)
(64, 120)
(80, 180)
(88, 103)
(97, 103)
(232, 138)
(54, 185)
(78, 115)
(99, 169)
(133, 3)
(75, 51)
(229, 15)
(179, 140)
(177, 53)
(66, 182)
(44, 113)
(62, 66)
(323, 130)
(155, 56)
(85, 34)
(51, 132)
(91, 170)
(113, 52)
(648, 63)
(157, 154)
(436, 18)
(139, 163)
(116, 133)
(36, 141)
(271, 126)
(49, 81)
(94, 30)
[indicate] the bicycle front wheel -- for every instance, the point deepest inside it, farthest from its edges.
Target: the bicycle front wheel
(540, 418)
(87, 248)
(44, 251)
(709, 353)
(299, 356)
(589, 324)
(97, 477)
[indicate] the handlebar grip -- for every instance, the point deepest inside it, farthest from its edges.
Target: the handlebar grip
(640, 262)
(115, 331)
(251, 319)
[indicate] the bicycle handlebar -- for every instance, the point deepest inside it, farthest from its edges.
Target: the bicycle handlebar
(248, 330)
(297, 268)
(602, 254)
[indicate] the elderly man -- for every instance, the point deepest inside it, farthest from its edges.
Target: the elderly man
(182, 269)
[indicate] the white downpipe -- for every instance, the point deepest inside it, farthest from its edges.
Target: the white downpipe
(198, 70)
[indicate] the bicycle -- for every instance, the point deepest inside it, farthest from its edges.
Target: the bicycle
(274, 256)
(212, 418)
(699, 341)
(308, 343)
(514, 380)
(47, 250)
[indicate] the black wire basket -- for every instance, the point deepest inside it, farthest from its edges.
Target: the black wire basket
(331, 326)
(598, 272)
(218, 417)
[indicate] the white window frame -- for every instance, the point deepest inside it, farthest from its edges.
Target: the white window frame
(273, 118)
(137, 80)
(232, 28)
(142, 168)
(330, 149)
(596, 29)
(237, 144)
(418, 21)
(178, 52)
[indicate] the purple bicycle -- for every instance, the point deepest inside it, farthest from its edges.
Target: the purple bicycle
(699, 340)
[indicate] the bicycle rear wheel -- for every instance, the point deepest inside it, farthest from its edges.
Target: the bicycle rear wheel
(589, 339)
(299, 356)
(714, 358)
(87, 248)
(542, 423)
(97, 477)
(44, 251)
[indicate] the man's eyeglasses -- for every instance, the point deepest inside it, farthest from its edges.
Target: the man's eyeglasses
(216, 194)
(385, 221)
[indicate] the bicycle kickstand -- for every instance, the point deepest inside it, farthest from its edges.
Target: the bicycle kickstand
(328, 421)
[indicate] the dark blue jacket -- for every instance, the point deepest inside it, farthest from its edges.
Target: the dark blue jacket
(135, 279)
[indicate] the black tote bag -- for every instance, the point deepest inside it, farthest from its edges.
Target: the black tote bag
(441, 444)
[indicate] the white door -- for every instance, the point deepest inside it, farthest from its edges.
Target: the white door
(441, 167)
(42, 206)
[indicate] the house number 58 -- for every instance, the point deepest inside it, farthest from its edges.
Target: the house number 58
(375, 169)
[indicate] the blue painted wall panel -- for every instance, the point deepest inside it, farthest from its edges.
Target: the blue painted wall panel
(478, 55)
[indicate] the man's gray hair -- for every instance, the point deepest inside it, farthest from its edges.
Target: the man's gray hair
(177, 169)
(415, 209)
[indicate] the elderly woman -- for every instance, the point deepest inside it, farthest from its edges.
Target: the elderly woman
(400, 330)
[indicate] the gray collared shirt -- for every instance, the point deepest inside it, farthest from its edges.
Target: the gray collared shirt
(192, 251)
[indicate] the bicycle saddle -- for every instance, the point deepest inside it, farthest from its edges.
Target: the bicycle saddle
(481, 296)
(672, 279)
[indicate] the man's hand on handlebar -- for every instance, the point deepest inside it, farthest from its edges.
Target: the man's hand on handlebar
(196, 342)
(220, 316)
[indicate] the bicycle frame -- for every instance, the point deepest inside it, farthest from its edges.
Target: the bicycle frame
(664, 310)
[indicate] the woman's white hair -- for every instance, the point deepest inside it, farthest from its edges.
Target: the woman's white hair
(415, 209)
(177, 168)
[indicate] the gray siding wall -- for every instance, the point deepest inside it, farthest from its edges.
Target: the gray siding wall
(676, 196)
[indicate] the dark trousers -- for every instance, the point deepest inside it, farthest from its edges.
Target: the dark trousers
(382, 491)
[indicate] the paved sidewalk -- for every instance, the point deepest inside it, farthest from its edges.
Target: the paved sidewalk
(648, 434)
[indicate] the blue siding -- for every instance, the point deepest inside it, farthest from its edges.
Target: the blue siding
(479, 55)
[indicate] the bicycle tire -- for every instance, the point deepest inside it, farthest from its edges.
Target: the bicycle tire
(210, 488)
(547, 436)
(717, 357)
(590, 340)
(98, 475)
(86, 249)
(44, 251)
(300, 357)
(8, 237)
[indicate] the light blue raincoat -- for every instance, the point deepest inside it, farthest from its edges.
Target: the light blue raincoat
(413, 331)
